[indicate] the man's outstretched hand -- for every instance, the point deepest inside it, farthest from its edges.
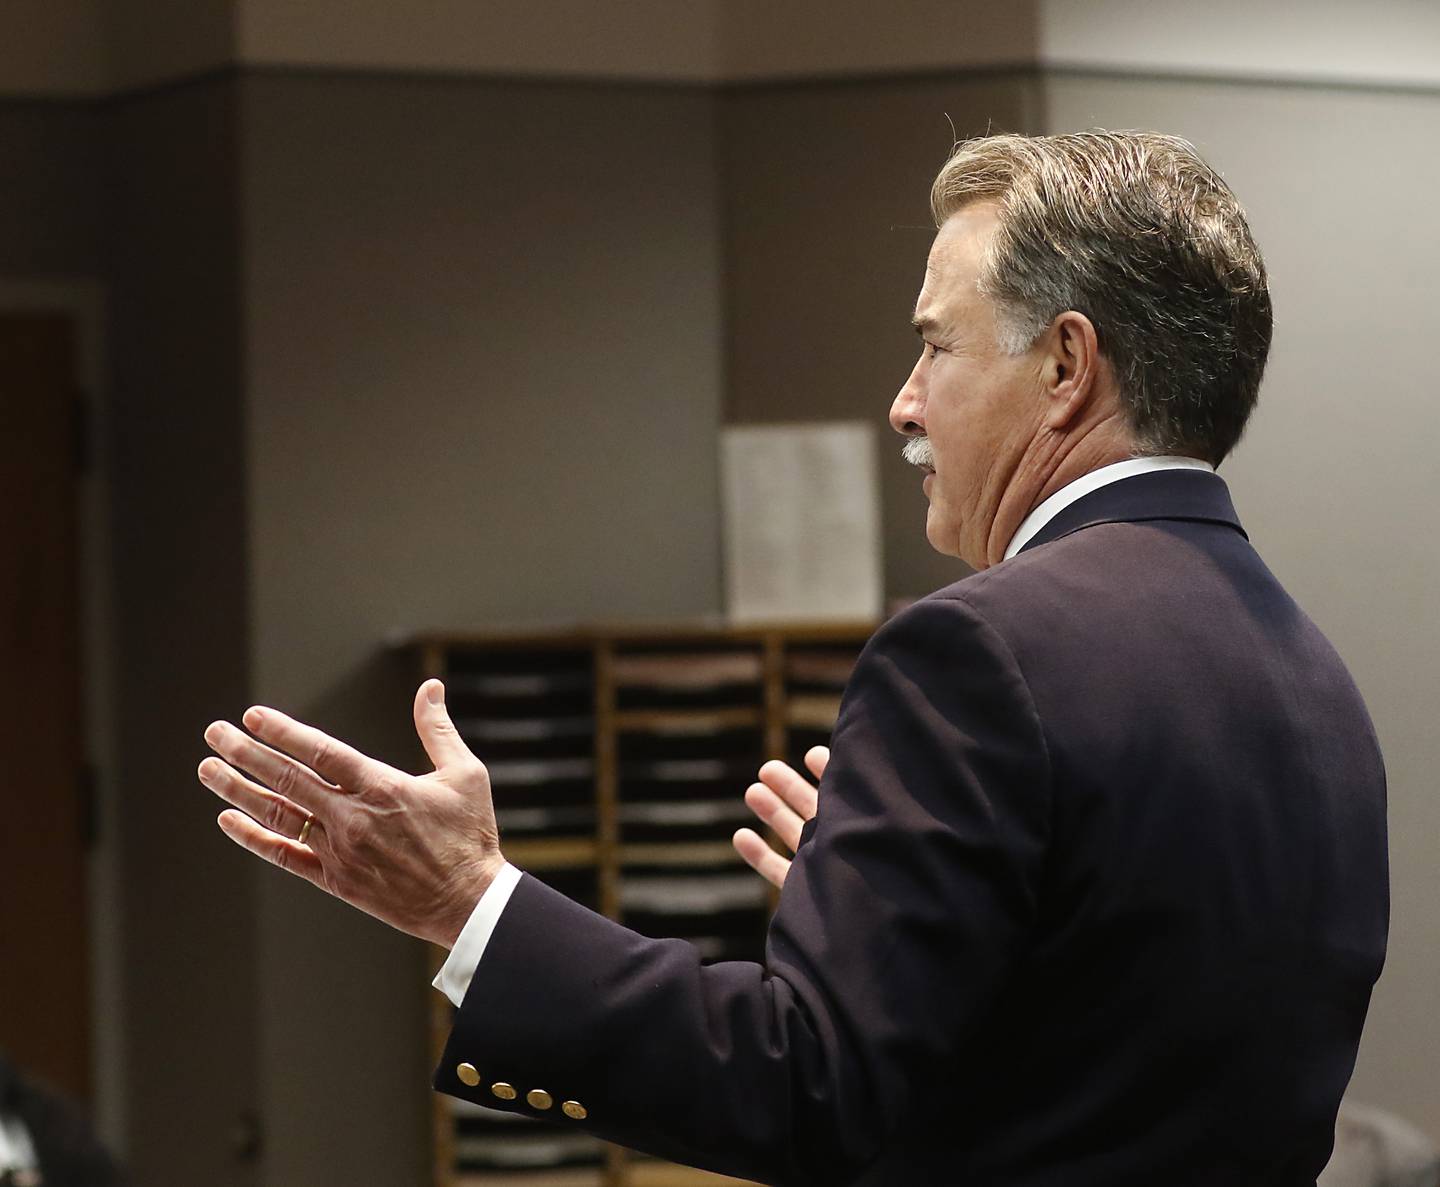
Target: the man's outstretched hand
(416, 851)
(784, 799)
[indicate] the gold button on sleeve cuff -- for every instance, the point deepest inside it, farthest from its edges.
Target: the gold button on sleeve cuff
(502, 1091)
(467, 1075)
(574, 1110)
(538, 1098)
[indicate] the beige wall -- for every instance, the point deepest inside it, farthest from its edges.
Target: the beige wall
(483, 384)
(75, 48)
(665, 39)
(1379, 40)
(154, 41)
(52, 47)
(1335, 480)
(181, 640)
(761, 39)
(84, 47)
(690, 40)
(827, 229)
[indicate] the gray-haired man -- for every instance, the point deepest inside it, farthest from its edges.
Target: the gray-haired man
(1096, 890)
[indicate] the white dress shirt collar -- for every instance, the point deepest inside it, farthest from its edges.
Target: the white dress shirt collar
(1093, 481)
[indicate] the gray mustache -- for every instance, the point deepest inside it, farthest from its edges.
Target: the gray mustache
(917, 452)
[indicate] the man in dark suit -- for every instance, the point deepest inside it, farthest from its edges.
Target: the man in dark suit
(1096, 889)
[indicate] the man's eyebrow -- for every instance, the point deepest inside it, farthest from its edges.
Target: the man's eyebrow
(924, 325)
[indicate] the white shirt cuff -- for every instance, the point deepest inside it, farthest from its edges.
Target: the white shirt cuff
(456, 973)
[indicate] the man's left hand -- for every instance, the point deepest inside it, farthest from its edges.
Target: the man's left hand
(414, 851)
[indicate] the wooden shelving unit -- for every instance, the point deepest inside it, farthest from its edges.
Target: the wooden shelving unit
(619, 757)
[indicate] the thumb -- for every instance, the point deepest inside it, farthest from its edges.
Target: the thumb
(437, 732)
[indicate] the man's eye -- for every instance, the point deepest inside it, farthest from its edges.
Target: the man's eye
(931, 350)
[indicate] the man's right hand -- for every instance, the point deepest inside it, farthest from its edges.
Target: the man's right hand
(784, 799)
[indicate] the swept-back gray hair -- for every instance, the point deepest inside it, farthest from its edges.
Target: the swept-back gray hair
(1138, 233)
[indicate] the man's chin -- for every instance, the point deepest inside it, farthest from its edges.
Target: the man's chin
(943, 533)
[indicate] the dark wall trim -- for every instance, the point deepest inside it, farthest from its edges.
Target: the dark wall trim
(1241, 79)
(1002, 70)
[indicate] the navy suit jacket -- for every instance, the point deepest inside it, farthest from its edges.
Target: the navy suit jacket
(1096, 895)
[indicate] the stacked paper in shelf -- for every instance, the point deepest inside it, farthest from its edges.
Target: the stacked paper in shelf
(568, 1177)
(528, 713)
(814, 678)
(518, 684)
(729, 747)
(693, 895)
(531, 1150)
(481, 730)
(691, 813)
(689, 723)
(491, 1138)
(821, 668)
(544, 795)
(812, 712)
(538, 820)
(722, 914)
(694, 770)
(716, 680)
(684, 799)
(540, 770)
(682, 822)
(686, 670)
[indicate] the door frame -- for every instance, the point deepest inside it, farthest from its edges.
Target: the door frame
(82, 300)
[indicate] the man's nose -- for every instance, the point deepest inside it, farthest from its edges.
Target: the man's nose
(907, 413)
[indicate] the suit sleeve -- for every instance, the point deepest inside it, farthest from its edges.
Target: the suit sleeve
(906, 909)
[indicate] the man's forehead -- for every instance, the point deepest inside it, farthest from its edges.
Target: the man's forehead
(953, 266)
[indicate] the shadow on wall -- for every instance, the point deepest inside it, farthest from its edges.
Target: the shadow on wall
(339, 989)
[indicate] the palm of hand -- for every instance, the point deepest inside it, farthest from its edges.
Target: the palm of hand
(416, 851)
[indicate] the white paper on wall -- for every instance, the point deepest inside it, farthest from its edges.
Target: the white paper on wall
(802, 522)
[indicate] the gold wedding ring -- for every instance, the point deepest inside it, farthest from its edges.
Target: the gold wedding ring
(305, 828)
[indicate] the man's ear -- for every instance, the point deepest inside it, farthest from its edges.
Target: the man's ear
(1071, 365)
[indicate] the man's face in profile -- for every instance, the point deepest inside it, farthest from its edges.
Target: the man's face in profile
(978, 407)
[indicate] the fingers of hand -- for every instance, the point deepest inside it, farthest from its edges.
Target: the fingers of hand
(291, 779)
(790, 786)
(338, 765)
(274, 848)
(760, 857)
(817, 758)
(271, 811)
(442, 741)
(775, 812)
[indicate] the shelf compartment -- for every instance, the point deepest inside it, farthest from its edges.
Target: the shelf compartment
(687, 722)
(580, 1177)
(647, 1172)
(812, 711)
(551, 853)
(717, 894)
(660, 854)
(819, 667)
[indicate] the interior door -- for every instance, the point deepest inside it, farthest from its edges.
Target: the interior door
(44, 974)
